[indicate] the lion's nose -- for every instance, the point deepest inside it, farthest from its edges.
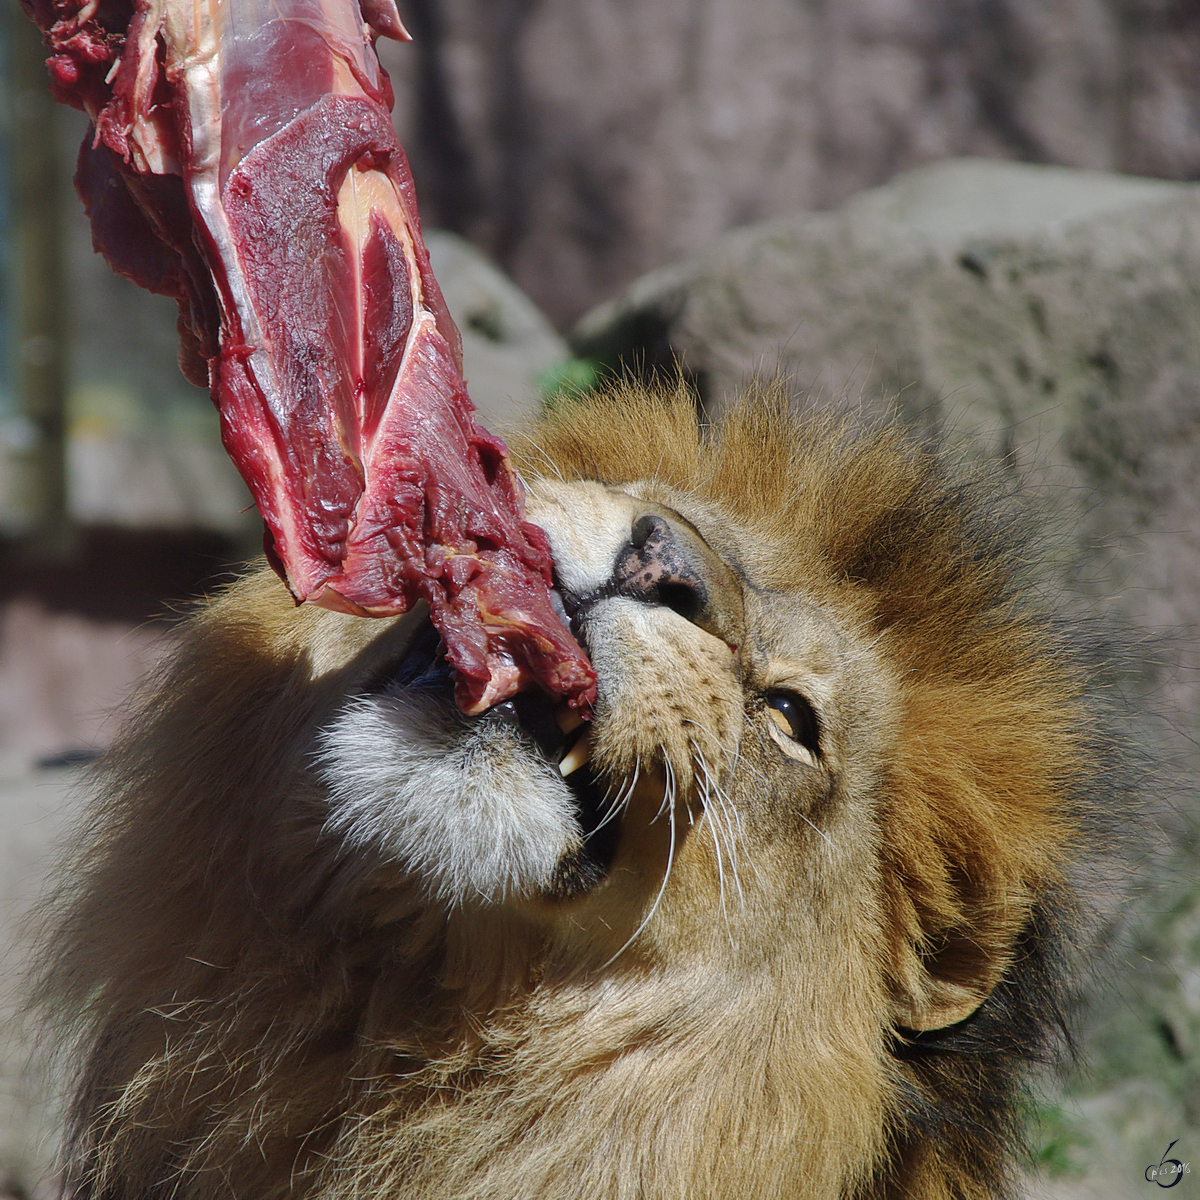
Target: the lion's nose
(667, 562)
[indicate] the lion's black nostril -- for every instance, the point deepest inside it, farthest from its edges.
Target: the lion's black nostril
(686, 599)
(644, 528)
(655, 566)
(667, 562)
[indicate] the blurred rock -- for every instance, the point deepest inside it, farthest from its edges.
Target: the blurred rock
(64, 678)
(136, 468)
(582, 145)
(962, 274)
(36, 807)
(508, 344)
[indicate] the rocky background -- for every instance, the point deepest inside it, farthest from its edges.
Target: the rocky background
(601, 153)
(584, 142)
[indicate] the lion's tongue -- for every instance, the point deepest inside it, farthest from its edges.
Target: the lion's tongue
(329, 350)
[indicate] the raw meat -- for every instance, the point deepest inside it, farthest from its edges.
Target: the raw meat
(244, 162)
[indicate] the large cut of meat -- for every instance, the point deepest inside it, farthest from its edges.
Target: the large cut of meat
(244, 162)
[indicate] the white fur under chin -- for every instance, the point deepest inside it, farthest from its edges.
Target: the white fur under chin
(459, 804)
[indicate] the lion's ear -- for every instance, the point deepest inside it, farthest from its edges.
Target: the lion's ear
(940, 1004)
(939, 989)
(972, 822)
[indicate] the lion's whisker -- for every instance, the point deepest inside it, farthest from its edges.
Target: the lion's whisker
(619, 802)
(669, 799)
(715, 798)
(817, 829)
(524, 437)
(715, 825)
(710, 813)
(731, 840)
(728, 823)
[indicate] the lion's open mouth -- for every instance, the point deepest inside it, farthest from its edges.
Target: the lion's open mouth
(547, 729)
(562, 737)
(528, 800)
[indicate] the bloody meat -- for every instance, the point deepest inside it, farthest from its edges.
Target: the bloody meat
(243, 161)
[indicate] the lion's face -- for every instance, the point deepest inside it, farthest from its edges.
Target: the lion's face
(721, 801)
(716, 821)
(778, 921)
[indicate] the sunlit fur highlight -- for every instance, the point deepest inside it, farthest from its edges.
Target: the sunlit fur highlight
(256, 1014)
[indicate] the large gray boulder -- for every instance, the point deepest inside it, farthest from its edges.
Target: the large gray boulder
(965, 274)
(509, 346)
(1045, 316)
(1048, 319)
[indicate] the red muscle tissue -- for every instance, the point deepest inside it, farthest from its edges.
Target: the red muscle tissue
(244, 162)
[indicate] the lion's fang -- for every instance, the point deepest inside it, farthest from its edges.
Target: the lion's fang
(577, 755)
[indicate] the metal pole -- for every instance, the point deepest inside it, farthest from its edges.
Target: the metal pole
(40, 342)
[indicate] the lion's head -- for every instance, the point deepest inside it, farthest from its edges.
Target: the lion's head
(781, 921)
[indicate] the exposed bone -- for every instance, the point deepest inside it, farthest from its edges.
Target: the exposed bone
(567, 719)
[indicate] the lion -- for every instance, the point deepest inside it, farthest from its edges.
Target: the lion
(788, 917)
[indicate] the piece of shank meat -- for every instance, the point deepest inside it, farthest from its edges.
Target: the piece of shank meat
(244, 162)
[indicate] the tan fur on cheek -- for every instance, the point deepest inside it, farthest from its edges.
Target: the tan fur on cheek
(682, 710)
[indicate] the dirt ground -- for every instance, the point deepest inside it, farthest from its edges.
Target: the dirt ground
(63, 681)
(35, 807)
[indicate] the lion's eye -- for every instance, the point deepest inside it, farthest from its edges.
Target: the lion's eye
(793, 717)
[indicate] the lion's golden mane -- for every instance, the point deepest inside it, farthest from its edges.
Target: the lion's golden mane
(258, 1010)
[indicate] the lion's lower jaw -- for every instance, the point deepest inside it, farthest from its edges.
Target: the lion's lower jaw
(467, 817)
